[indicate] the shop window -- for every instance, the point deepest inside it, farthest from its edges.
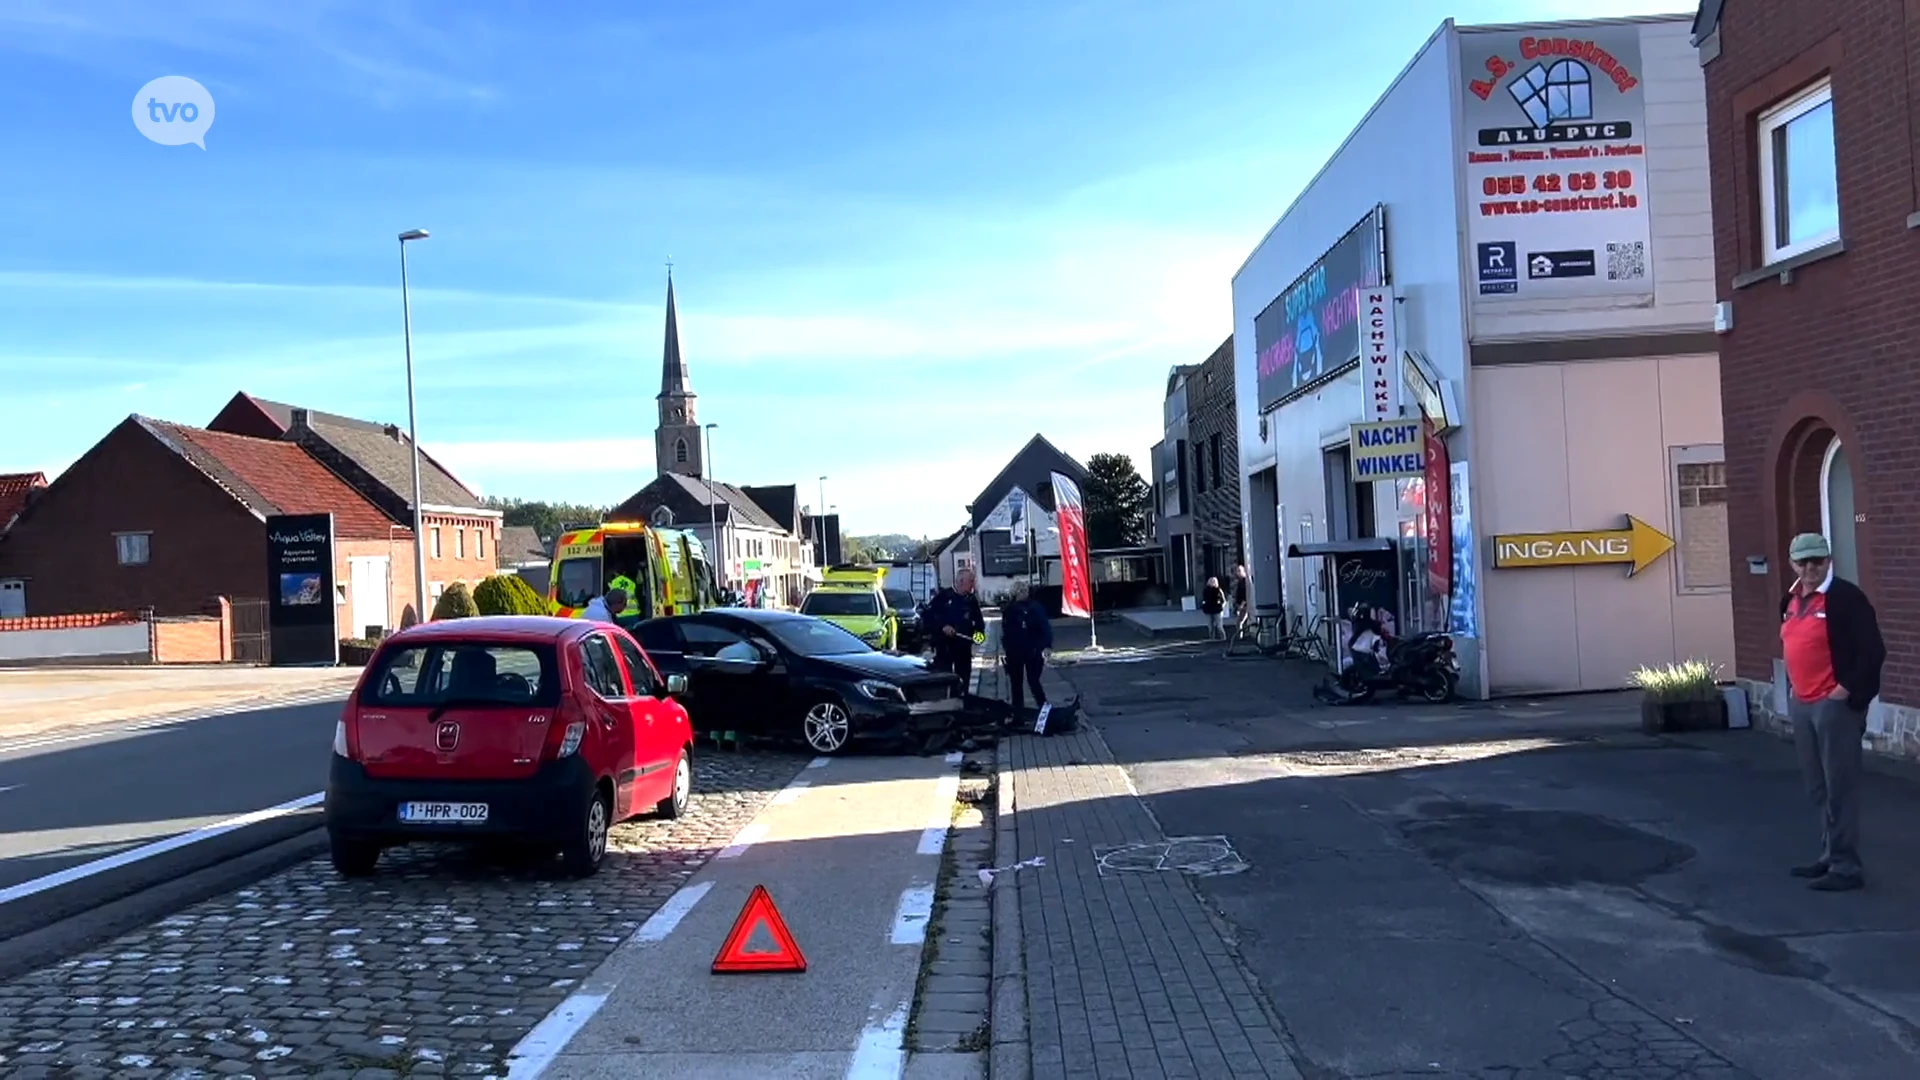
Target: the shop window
(1700, 518)
(1837, 510)
(1799, 186)
(133, 549)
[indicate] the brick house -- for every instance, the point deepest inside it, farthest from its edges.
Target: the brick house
(376, 460)
(1816, 209)
(168, 517)
(16, 490)
(1213, 434)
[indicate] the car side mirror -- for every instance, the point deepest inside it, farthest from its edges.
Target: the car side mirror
(676, 684)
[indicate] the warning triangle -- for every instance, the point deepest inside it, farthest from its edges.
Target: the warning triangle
(736, 958)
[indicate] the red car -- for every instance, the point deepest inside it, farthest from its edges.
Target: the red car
(511, 728)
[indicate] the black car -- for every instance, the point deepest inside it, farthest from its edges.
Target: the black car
(912, 638)
(776, 674)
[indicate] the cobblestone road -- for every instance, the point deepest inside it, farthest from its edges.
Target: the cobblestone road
(436, 966)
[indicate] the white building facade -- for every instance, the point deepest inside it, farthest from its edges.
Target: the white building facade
(1475, 363)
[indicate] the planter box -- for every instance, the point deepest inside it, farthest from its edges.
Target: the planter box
(355, 655)
(1657, 717)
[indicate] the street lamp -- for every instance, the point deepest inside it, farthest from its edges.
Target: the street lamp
(413, 433)
(713, 513)
(820, 521)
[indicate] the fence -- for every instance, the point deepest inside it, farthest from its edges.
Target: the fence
(119, 637)
(251, 644)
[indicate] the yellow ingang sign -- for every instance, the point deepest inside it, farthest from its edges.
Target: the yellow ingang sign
(1638, 545)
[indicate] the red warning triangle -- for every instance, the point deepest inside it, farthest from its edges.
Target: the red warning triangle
(734, 957)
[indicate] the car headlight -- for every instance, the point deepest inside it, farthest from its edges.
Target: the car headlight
(882, 691)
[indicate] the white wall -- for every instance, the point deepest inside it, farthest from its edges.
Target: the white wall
(1402, 155)
(1675, 91)
(126, 639)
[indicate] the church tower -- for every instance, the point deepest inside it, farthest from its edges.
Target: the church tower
(676, 441)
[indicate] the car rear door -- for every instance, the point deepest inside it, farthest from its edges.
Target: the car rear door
(657, 735)
(612, 744)
(458, 710)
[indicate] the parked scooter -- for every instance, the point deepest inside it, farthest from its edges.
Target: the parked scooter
(1423, 665)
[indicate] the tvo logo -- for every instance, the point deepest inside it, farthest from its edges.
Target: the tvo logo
(174, 110)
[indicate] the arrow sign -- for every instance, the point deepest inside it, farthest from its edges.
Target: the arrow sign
(1639, 545)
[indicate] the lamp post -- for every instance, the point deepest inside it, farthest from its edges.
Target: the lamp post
(413, 433)
(713, 513)
(821, 539)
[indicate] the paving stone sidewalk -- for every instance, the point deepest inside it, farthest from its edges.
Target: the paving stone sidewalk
(1126, 976)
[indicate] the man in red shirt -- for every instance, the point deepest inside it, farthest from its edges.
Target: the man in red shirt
(1830, 639)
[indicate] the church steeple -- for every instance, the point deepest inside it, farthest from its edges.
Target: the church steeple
(676, 441)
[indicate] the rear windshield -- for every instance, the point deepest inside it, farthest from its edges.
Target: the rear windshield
(470, 673)
(841, 603)
(578, 583)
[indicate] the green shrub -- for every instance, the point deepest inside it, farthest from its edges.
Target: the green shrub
(455, 603)
(530, 601)
(494, 596)
(1693, 680)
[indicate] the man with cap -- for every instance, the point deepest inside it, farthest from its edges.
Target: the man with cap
(1830, 639)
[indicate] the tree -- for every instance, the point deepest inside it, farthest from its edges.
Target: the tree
(1119, 506)
(507, 594)
(545, 518)
(455, 603)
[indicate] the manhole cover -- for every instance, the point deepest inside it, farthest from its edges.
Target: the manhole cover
(1201, 856)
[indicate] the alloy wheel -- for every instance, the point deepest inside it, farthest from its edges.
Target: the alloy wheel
(827, 727)
(682, 783)
(596, 829)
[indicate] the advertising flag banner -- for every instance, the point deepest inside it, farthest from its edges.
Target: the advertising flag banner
(1017, 499)
(1555, 131)
(1076, 573)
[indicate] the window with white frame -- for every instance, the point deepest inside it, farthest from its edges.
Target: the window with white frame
(479, 543)
(433, 535)
(1799, 180)
(459, 543)
(133, 548)
(1700, 518)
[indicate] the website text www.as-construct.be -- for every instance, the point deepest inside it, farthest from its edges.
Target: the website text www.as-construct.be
(1561, 205)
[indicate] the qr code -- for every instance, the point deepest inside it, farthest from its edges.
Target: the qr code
(1627, 261)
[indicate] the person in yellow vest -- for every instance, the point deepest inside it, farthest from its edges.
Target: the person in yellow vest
(627, 588)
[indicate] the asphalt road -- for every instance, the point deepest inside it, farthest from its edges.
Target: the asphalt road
(1530, 889)
(74, 801)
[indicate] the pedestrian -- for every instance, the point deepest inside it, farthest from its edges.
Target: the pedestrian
(1026, 636)
(1242, 610)
(953, 618)
(606, 608)
(1213, 601)
(1830, 639)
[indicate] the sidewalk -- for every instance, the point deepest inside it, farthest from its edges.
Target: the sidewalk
(36, 701)
(1125, 973)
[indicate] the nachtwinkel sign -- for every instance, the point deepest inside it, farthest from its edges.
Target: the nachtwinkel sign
(1312, 330)
(300, 608)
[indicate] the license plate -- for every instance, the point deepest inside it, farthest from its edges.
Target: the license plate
(443, 813)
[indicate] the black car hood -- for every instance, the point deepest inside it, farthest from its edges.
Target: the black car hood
(877, 665)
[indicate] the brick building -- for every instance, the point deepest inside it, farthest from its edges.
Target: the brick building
(1212, 432)
(376, 460)
(1816, 207)
(166, 517)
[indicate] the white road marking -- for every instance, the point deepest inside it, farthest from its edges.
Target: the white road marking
(110, 729)
(933, 839)
(531, 1055)
(882, 1051)
(787, 794)
(911, 917)
(158, 847)
(746, 838)
(818, 763)
(663, 921)
(9, 787)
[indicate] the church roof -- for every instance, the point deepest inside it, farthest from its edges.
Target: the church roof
(673, 369)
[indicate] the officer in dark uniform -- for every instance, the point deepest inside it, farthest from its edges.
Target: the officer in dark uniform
(955, 625)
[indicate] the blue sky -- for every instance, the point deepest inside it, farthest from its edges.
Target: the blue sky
(905, 237)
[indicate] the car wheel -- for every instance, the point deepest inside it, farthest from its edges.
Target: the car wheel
(827, 728)
(675, 804)
(580, 855)
(353, 858)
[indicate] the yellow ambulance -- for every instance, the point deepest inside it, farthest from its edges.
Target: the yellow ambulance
(668, 569)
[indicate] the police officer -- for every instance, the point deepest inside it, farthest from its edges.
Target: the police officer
(954, 621)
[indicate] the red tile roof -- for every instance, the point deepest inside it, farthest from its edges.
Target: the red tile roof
(14, 490)
(275, 477)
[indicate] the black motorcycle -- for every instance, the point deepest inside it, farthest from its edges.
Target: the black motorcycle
(1422, 666)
